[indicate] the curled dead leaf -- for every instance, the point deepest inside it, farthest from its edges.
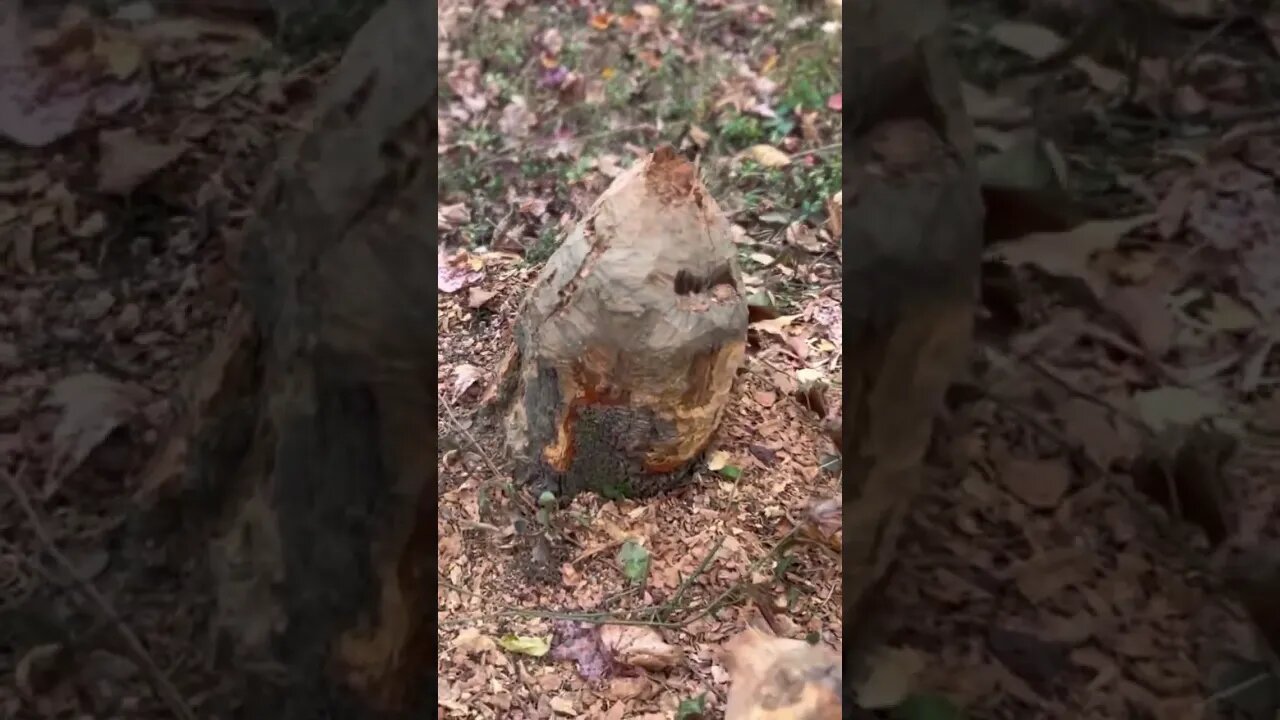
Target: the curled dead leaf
(126, 160)
(640, 646)
(92, 407)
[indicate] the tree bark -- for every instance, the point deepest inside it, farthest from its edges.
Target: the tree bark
(314, 460)
(913, 226)
(628, 343)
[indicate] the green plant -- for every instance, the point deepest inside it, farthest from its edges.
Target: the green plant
(741, 131)
(548, 241)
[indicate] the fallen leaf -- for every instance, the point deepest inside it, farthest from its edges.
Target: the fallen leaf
(1167, 407)
(465, 376)
(476, 297)
(769, 156)
(1067, 254)
(563, 705)
(92, 407)
(775, 326)
(717, 460)
(473, 642)
(892, 673)
(37, 670)
(454, 273)
(984, 106)
(581, 643)
(126, 160)
(1146, 313)
(1039, 483)
(1034, 41)
(634, 559)
(809, 376)
(639, 646)
(1227, 314)
(1100, 438)
(91, 226)
(534, 646)
(647, 11)
(452, 217)
(1046, 575)
(1040, 43)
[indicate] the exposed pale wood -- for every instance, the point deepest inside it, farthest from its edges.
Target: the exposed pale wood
(627, 345)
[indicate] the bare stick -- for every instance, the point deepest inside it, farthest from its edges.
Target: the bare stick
(493, 467)
(160, 682)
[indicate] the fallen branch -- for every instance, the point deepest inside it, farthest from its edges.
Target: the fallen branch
(159, 681)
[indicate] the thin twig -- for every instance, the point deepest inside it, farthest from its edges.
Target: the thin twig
(163, 687)
(674, 602)
(493, 467)
(1236, 689)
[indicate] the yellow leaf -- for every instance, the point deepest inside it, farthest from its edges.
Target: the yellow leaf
(769, 156)
(535, 646)
(717, 460)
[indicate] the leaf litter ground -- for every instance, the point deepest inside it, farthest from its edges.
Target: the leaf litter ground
(133, 144)
(527, 143)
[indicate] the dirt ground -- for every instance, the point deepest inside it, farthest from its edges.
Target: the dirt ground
(1094, 540)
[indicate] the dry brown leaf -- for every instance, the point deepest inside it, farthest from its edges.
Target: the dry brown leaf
(36, 670)
(1147, 315)
(1049, 573)
(477, 297)
(1040, 43)
(775, 326)
(1039, 483)
(126, 160)
(1067, 254)
(891, 677)
(1090, 424)
(640, 646)
(92, 407)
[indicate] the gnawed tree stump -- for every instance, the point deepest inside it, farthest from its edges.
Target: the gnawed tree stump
(627, 345)
(313, 468)
(913, 227)
(781, 679)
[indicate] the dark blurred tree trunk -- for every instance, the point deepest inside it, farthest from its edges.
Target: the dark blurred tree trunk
(913, 234)
(314, 460)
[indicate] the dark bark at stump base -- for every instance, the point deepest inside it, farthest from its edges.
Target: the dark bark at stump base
(913, 221)
(315, 453)
(628, 343)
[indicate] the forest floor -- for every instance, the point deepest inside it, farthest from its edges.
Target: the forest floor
(541, 107)
(1099, 496)
(1079, 552)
